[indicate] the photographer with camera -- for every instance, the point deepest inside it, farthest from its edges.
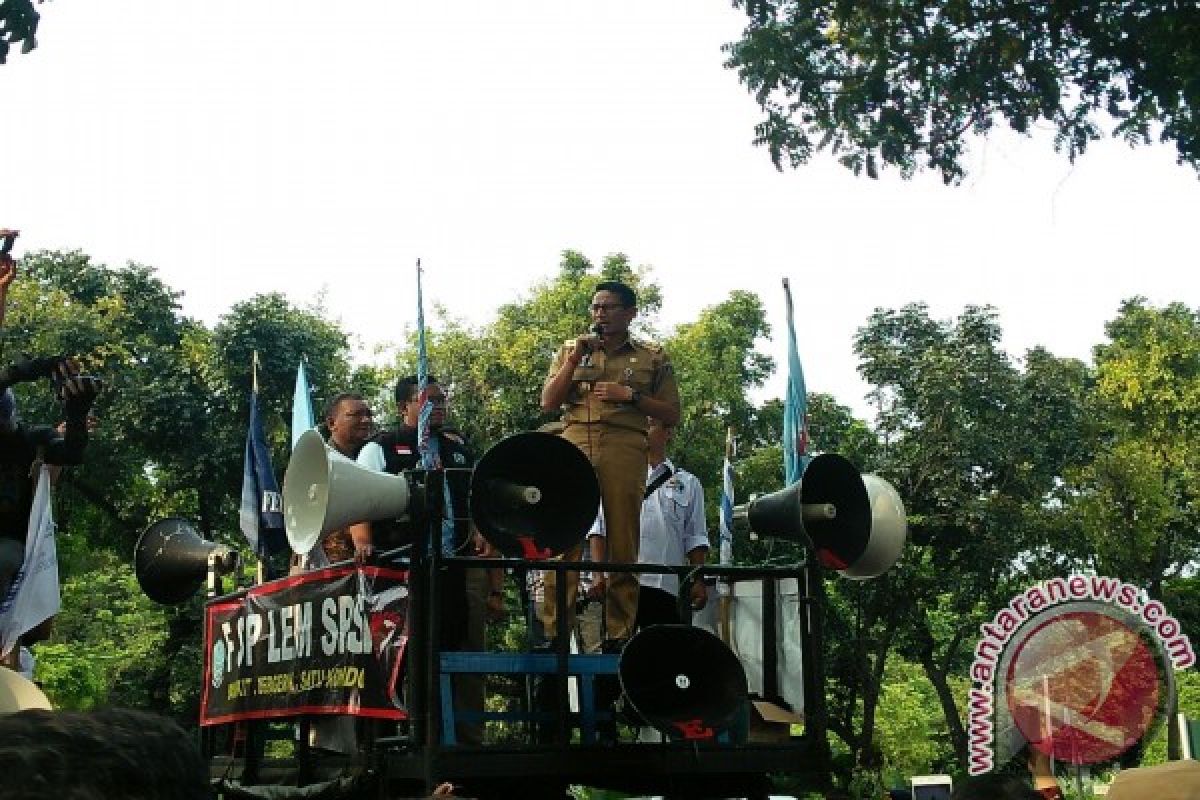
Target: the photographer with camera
(23, 448)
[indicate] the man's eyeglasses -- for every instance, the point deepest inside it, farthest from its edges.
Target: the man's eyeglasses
(606, 307)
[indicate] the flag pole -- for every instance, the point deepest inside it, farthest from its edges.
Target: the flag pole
(727, 498)
(725, 588)
(423, 588)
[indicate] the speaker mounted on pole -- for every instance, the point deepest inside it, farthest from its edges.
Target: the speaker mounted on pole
(854, 524)
(534, 495)
(323, 491)
(171, 560)
(683, 680)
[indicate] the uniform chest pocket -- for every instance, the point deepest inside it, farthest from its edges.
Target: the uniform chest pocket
(676, 499)
(640, 377)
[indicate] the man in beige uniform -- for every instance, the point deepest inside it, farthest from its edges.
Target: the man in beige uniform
(607, 384)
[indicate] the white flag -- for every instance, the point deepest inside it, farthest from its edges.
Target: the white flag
(725, 518)
(34, 596)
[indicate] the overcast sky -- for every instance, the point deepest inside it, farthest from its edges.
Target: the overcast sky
(245, 147)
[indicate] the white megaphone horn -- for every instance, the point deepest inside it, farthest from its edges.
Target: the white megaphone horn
(323, 491)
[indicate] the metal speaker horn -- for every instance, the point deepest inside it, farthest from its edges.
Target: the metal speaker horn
(323, 491)
(683, 680)
(889, 530)
(171, 560)
(534, 495)
(831, 507)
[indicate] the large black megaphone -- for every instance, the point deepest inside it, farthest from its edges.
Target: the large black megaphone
(855, 524)
(323, 491)
(682, 680)
(171, 560)
(534, 495)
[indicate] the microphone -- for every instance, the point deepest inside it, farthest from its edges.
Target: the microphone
(596, 332)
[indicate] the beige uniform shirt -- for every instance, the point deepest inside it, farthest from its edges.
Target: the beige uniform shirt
(640, 365)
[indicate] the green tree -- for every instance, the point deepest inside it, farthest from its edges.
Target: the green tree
(1133, 504)
(494, 373)
(973, 446)
(169, 442)
(913, 737)
(717, 364)
(18, 23)
(124, 326)
(901, 83)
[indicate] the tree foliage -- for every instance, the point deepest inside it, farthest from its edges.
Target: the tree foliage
(494, 373)
(18, 24)
(1134, 502)
(969, 441)
(717, 364)
(901, 83)
(172, 423)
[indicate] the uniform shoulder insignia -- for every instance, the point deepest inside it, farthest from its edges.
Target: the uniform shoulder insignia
(646, 344)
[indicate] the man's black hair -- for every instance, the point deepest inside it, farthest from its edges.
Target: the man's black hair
(336, 401)
(406, 388)
(995, 786)
(97, 755)
(623, 290)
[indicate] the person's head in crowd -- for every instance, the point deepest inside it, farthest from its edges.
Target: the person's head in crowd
(1174, 780)
(409, 407)
(98, 755)
(349, 420)
(995, 786)
(614, 305)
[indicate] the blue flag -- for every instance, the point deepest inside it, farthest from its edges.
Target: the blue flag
(261, 513)
(302, 410)
(427, 443)
(425, 447)
(795, 408)
(726, 519)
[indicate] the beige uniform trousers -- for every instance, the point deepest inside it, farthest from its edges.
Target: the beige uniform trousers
(619, 457)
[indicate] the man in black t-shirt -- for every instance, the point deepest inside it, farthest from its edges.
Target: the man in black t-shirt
(467, 596)
(398, 450)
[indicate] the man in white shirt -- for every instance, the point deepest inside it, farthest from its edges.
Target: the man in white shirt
(672, 532)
